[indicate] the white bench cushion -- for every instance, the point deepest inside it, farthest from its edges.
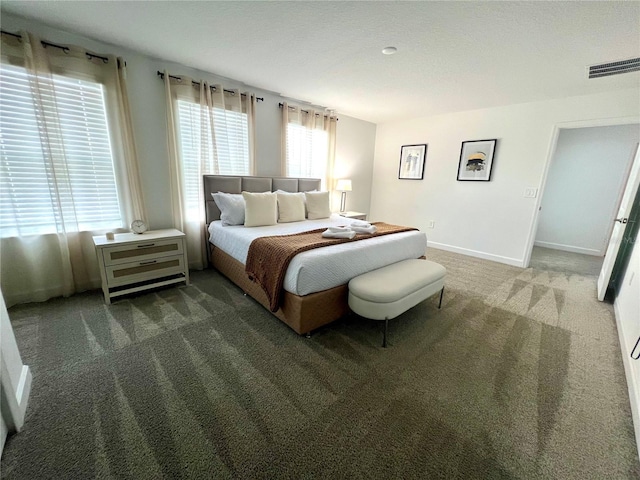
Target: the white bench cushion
(392, 290)
(395, 281)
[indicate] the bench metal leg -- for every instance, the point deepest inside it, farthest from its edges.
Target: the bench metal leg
(386, 327)
(441, 295)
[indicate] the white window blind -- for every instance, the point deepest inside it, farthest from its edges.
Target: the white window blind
(199, 153)
(56, 162)
(306, 152)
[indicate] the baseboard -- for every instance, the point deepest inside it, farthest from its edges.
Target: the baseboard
(634, 388)
(516, 262)
(569, 248)
(22, 394)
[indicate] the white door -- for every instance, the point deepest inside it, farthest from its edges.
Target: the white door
(620, 225)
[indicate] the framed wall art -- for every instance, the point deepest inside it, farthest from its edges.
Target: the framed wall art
(412, 158)
(476, 160)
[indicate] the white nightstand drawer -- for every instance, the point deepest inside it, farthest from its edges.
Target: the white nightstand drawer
(152, 249)
(139, 271)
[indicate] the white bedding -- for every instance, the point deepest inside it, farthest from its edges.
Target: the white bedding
(327, 267)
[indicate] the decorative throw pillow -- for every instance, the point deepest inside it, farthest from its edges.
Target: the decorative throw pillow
(290, 207)
(231, 207)
(317, 205)
(260, 209)
(301, 195)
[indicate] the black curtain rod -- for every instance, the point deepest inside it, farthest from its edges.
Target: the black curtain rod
(61, 47)
(194, 83)
(304, 111)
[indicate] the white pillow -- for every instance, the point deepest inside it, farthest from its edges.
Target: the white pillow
(317, 205)
(260, 209)
(231, 207)
(290, 207)
(301, 195)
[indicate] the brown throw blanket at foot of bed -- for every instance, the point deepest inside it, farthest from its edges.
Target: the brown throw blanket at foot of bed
(269, 257)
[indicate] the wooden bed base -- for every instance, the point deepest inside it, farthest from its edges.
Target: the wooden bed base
(302, 314)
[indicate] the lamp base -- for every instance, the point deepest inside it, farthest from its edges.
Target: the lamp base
(343, 202)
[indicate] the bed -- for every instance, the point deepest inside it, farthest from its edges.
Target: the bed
(315, 283)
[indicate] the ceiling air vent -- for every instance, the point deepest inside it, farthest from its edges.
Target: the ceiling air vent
(614, 68)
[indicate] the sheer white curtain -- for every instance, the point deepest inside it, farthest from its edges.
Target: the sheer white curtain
(308, 144)
(66, 119)
(210, 130)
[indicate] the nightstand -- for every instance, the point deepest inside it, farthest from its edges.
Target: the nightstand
(353, 215)
(136, 262)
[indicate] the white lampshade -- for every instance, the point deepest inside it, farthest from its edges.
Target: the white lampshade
(343, 185)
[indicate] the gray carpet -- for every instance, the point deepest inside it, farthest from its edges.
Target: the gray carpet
(518, 376)
(568, 262)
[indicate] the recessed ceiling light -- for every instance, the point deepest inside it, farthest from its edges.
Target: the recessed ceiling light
(389, 50)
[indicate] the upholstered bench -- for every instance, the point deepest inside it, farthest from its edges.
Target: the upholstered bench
(385, 293)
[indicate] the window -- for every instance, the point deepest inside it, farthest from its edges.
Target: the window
(56, 164)
(306, 152)
(199, 155)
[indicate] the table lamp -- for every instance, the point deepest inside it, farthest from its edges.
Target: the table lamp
(344, 186)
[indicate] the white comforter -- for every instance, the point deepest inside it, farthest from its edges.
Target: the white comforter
(327, 267)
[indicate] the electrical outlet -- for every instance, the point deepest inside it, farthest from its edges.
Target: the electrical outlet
(530, 192)
(431, 224)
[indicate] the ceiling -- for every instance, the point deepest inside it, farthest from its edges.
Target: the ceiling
(452, 56)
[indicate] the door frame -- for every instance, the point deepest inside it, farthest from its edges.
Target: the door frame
(551, 151)
(620, 195)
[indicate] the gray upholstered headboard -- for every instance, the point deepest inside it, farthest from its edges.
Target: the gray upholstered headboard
(229, 184)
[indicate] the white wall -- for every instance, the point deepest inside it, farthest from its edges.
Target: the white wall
(4, 431)
(355, 150)
(627, 308)
(15, 379)
(581, 195)
(486, 219)
(355, 138)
